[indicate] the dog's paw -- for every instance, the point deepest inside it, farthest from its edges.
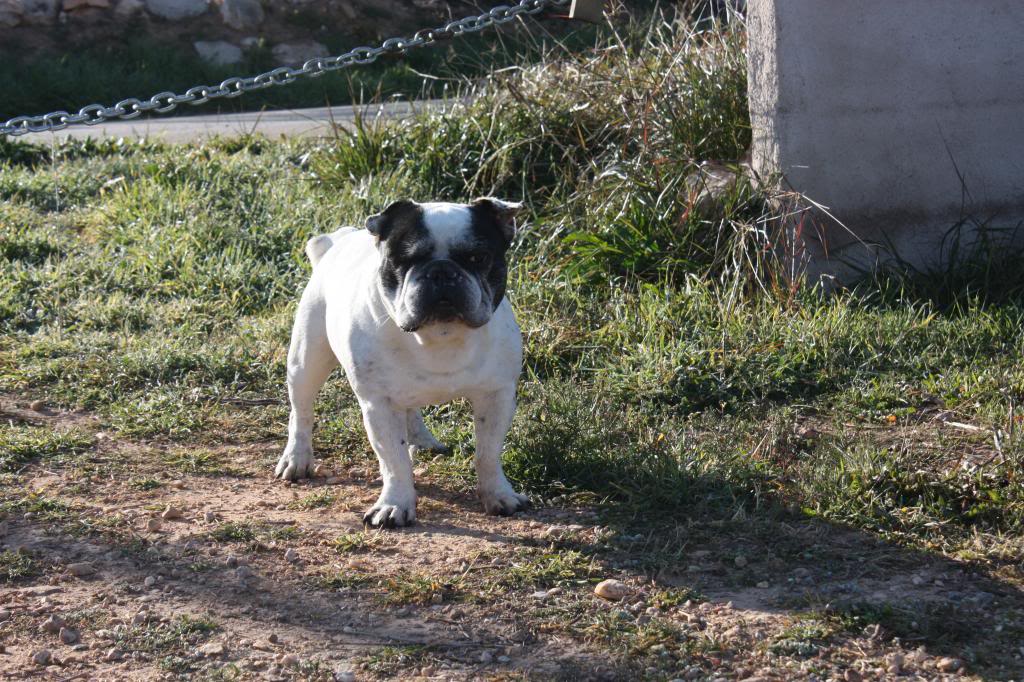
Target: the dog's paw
(295, 464)
(426, 442)
(504, 501)
(391, 511)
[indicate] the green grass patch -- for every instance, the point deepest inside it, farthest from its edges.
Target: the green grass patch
(362, 541)
(16, 566)
(322, 499)
(22, 444)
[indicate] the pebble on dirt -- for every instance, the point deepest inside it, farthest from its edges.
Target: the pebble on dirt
(948, 665)
(53, 624)
(172, 512)
(291, 556)
(113, 655)
(612, 590)
(212, 649)
(153, 525)
(81, 569)
(37, 405)
(42, 657)
(68, 636)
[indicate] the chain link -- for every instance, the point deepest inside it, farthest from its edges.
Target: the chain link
(164, 102)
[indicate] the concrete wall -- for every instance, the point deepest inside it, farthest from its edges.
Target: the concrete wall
(870, 107)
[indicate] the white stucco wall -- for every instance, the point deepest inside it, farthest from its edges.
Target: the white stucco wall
(870, 107)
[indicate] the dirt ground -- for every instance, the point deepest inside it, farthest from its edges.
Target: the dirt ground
(250, 578)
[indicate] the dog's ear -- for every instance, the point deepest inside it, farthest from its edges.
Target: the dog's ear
(381, 224)
(502, 212)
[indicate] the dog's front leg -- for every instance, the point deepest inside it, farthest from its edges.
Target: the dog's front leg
(386, 428)
(492, 417)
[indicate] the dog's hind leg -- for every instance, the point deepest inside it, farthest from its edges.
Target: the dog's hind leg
(420, 437)
(310, 362)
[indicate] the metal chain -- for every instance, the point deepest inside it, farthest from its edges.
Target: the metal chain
(163, 102)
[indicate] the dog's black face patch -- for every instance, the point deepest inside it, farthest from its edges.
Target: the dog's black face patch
(442, 262)
(403, 241)
(493, 236)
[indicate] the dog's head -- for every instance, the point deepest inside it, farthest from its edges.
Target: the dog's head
(443, 262)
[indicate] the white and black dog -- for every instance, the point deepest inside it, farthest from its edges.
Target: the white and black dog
(414, 309)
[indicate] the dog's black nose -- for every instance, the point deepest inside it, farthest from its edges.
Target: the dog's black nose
(443, 272)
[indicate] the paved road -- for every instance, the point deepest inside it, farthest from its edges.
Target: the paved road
(176, 127)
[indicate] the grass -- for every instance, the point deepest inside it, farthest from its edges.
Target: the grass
(16, 566)
(20, 444)
(670, 373)
(361, 541)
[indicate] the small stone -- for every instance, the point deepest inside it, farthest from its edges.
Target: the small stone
(852, 675)
(68, 636)
(153, 525)
(140, 618)
(209, 516)
(289, 660)
(42, 657)
(242, 15)
(175, 10)
(333, 480)
(291, 556)
(948, 664)
(322, 471)
(612, 590)
(764, 585)
(218, 52)
(740, 561)
(5, 615)
(81, 569)
(112, 655)
(298, 52)
(486, 657)
(73, 5)
(53, 624)
(273, 638)
(37, 406)
(437, 598)
(349, 676)
(231, 561)
(172, 512)
(503, 659)
(212, 649)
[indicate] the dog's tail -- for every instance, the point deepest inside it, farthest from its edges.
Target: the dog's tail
(317, 247)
